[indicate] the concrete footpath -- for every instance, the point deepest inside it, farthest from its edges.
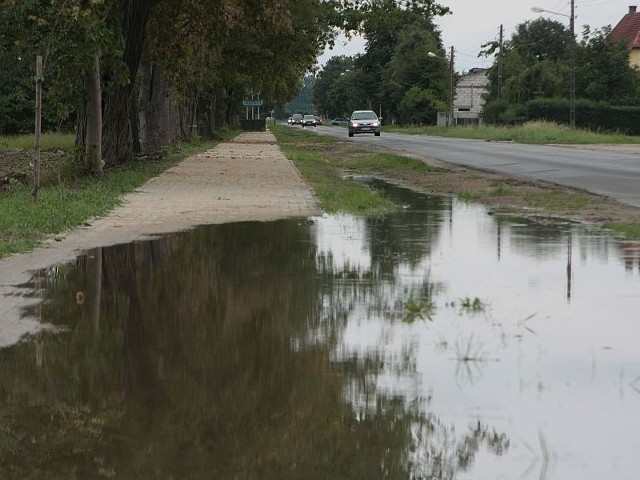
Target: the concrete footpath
(246, 179)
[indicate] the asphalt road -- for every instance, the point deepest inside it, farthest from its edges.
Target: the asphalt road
(612, 174)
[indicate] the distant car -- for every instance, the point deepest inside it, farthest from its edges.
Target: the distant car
(296, 119)
(364, 121)
(338, 121)
(290, 120)
(309, 121)
(318, 120)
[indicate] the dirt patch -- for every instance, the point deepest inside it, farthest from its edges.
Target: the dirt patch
(18, 166)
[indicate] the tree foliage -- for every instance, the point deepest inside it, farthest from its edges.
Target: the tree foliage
(210, 55)
(536, 63)
(395, 69)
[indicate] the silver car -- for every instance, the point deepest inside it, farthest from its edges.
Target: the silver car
(364, 121)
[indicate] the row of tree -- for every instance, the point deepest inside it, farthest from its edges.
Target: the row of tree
(397, 77)
(135, 75)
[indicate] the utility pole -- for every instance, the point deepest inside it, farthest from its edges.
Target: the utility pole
(451, 90)
(500, 63)
(572, 108)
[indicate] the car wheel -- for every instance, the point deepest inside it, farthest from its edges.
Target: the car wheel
(351, 134)
(377, 134)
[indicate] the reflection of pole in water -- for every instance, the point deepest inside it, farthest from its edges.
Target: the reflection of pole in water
(499, 239)
(569, 247)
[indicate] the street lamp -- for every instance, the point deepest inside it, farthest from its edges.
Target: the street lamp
(451, 86)
(572, 81)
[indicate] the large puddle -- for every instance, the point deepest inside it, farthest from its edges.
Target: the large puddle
(442, 342)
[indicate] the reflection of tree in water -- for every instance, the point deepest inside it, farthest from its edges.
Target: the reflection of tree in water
(406, 237)
(189, 370)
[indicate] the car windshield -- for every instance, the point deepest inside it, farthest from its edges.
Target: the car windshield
(364, 116)
(309, 117)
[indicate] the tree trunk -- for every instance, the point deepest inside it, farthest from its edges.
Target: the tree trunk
(93, 298)
(93, 143)
(38, 132)
(157, 115)
(118, 133)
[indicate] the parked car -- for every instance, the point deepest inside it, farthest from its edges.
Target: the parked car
(309, 121)
(296, 119)
(364, 121)
(339, 121)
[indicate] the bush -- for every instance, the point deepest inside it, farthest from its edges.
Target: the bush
(493, 110)
(596, 116)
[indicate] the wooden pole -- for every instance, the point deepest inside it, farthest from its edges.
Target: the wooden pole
(451, 90)
(38, 133)
(572, 94)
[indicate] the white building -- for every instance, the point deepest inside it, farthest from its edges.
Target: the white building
(468, 101)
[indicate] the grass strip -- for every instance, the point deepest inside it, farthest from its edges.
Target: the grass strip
(538, 132)
(75, 198)
(328, 165)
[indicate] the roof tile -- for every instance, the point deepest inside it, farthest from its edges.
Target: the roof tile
(628, 30)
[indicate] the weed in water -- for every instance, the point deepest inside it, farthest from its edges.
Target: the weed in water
(421, 309)
(469, 305)
(472, 304)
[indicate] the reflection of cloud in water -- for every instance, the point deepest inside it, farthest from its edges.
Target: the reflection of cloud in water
(559, 299)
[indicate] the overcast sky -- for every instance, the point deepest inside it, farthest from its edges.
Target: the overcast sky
(475, 22)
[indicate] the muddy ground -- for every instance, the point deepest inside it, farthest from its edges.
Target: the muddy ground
(18, 165)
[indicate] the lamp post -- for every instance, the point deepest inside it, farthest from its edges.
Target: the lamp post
(572, 66)
(450, 121)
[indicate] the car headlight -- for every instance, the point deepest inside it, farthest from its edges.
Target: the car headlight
(354, 124)
(375, 124)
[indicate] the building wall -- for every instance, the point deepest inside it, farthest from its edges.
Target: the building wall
(634, 58)
(468, 101)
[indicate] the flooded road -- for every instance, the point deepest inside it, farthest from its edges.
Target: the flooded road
(441, 342)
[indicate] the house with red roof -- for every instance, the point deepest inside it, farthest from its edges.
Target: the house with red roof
(628, 30)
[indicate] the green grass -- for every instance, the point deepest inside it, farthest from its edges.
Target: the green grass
(323, 161)
(48, 140)
(333, 191)
(560, 201)
(532, 132)
(24, 224)
(630, 231)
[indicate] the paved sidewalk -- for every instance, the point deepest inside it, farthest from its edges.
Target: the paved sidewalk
(246, 179)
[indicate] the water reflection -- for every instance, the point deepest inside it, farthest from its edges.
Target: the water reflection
(442, 342)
